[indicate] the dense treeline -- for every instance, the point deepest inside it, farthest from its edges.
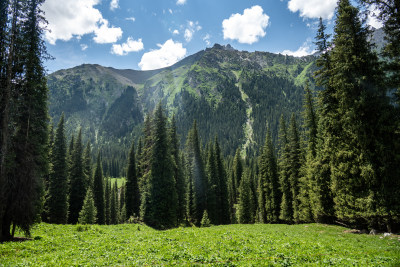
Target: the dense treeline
(336, 162)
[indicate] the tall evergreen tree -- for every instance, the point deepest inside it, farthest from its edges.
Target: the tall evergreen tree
(222, 192)
(58, 183)
(268, 189)
(114, 204)
(178, 173)
(159, 210)
(196, 174)
(87, 165)
(295, 161)
(237, 172)
(77, 189)
(132, 194)
(98, 192)
(212, 186)
(107, 201)
(246, 201)
(286, 211)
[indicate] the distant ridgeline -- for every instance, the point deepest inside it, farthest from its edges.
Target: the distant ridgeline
(231, 94)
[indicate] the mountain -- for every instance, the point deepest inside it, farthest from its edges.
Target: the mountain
(232, 95)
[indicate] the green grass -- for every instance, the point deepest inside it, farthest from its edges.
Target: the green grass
(120, 181)
(232, 245)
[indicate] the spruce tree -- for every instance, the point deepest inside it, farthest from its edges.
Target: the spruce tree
(107, 201)
(98, 192)
(114, 204)
(77, 190)
(286, 210)
(295, 161)
(222, 191)
(160, 208)
(132, 194)
(58, 183)
(178, 172)
(359, 124)
(245, 201)
(268, 188)
(237, 172)
(87, 165)
(212, 187)
(122, 207)
(88, 213)
(196, 175)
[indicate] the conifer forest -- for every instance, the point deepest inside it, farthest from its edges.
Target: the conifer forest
(235, 151)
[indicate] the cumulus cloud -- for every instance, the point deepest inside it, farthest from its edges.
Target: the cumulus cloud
(168, 54)
(175, 32)
(181, 2)
(246, 28)
(75, 18)
(304, 50)
(130, 45)
(191, 28)
(114, 4)
(105, 34)
(313, 8)
(131, 19)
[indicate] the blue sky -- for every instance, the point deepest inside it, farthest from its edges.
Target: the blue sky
(150, 34)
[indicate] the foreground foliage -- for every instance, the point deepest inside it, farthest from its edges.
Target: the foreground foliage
(281, 245)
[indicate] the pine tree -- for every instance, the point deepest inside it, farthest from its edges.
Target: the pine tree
(88, 213)
(245, 202)
(122, 207)
(159, 211)
(306, 180)
(87, 165)
(286, 213)
(295, 161)
(132, 194)
(222, 191)
(212, 186)
(268, 188)
(58, 184)
(77, 190)
(237, 172)
(107, 201)
(205, 221)
(178, 173)
(114, 204)
(98, 192)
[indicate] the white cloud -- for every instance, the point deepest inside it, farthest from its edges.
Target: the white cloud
(372, 20)
(313, 8)
(304, 50)
(114, 4)
(168, 54)
(192, 27)
(72, 18)
(131, 19)
(129, 46)
(104, 34)
(75, 18)
(206, 39)
(181, 2)
(170, 11)
(246, 28)
(175, 32)
(84, 47)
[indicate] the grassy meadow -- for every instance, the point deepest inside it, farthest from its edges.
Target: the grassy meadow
(231, 245)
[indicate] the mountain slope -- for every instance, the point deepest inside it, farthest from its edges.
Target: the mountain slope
(232, 95)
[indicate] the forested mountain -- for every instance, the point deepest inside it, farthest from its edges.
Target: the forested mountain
(230, 93)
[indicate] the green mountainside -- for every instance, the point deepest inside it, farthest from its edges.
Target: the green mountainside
(232, 95)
